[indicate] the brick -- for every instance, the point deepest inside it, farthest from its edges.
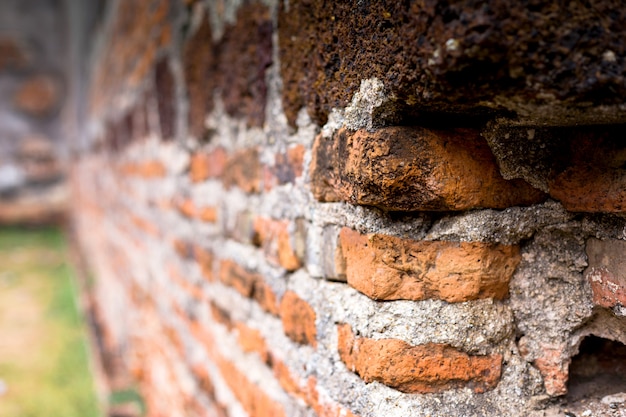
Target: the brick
(391, 268)
(413, 169)
(424, 368)
(606, 272)
(594, 178)
(13, 55)
(298, 319)
(205, 165)
(39, 95)
(205, 262)
(467, 59)
(208, 214)
(244, 170)
(275, 239)
(553, 364)
(199, 60)
(166, 98)
(250, 395)
(146, 170)
(187, 208)
(245, 54)
(251, 340)
(249, 285)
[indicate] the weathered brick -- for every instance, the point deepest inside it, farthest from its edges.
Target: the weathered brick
(245, 54)
(391, 268)
(199, 60)
(553, 364)
(249, 285)
(413, 169)
(244, 170)
(275, 238)
(466, 58)
(594, 178)
(251, 340)
(39, 95)
(250, 395)
(416, 369)
(606, 272)
(166, 98)
(147, 169)
(205, 261)
(298, 319)
(208, 214)
(186, 207)
(205, 165)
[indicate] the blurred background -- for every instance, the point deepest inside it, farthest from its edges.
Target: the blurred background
(45, 363)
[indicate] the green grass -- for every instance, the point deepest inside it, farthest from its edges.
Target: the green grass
(43, 351)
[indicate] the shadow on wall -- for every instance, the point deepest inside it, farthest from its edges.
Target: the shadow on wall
(33, 56)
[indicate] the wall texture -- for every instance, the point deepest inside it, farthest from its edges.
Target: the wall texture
(310, 208)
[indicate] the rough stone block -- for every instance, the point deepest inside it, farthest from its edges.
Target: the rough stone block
(390, 268)
(298, 319)
(416, 369)
(413, 169)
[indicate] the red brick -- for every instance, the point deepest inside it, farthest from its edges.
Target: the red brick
(606, 272)
(249, 285)
(199, 61)
(594, 178)
(553, 364)
(39, 95)
(146, 169)
(250, 395)
(205, 165)
(298, 319)
(275, 239)
(391, 268)
(251, 340)
(205, 261)
(416, 369)
(186, 207)
(208, 214)
(244, 170)
(413, 169)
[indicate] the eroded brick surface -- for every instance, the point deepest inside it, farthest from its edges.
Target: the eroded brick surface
(298, 319)
(409, 168)
(416, 369)
(606, 272)
(390, 268)
(467, 57)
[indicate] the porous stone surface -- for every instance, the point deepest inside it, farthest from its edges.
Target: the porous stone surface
(535, 62)
(390, 268)
(410, 168)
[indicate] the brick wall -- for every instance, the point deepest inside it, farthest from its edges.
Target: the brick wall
(292, 210)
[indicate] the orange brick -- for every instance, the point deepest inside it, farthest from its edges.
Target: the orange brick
(208, 214)
(249, 285)
(594, 178)
(187, 208)
(205, 165)
(147, 169)
(413, 169)
(391, 268)
(553, 365)
(38, 95)
(251, 340)
(298, 319)
(205, 261)
(243, 170)
(275, 239)
(416, 369)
